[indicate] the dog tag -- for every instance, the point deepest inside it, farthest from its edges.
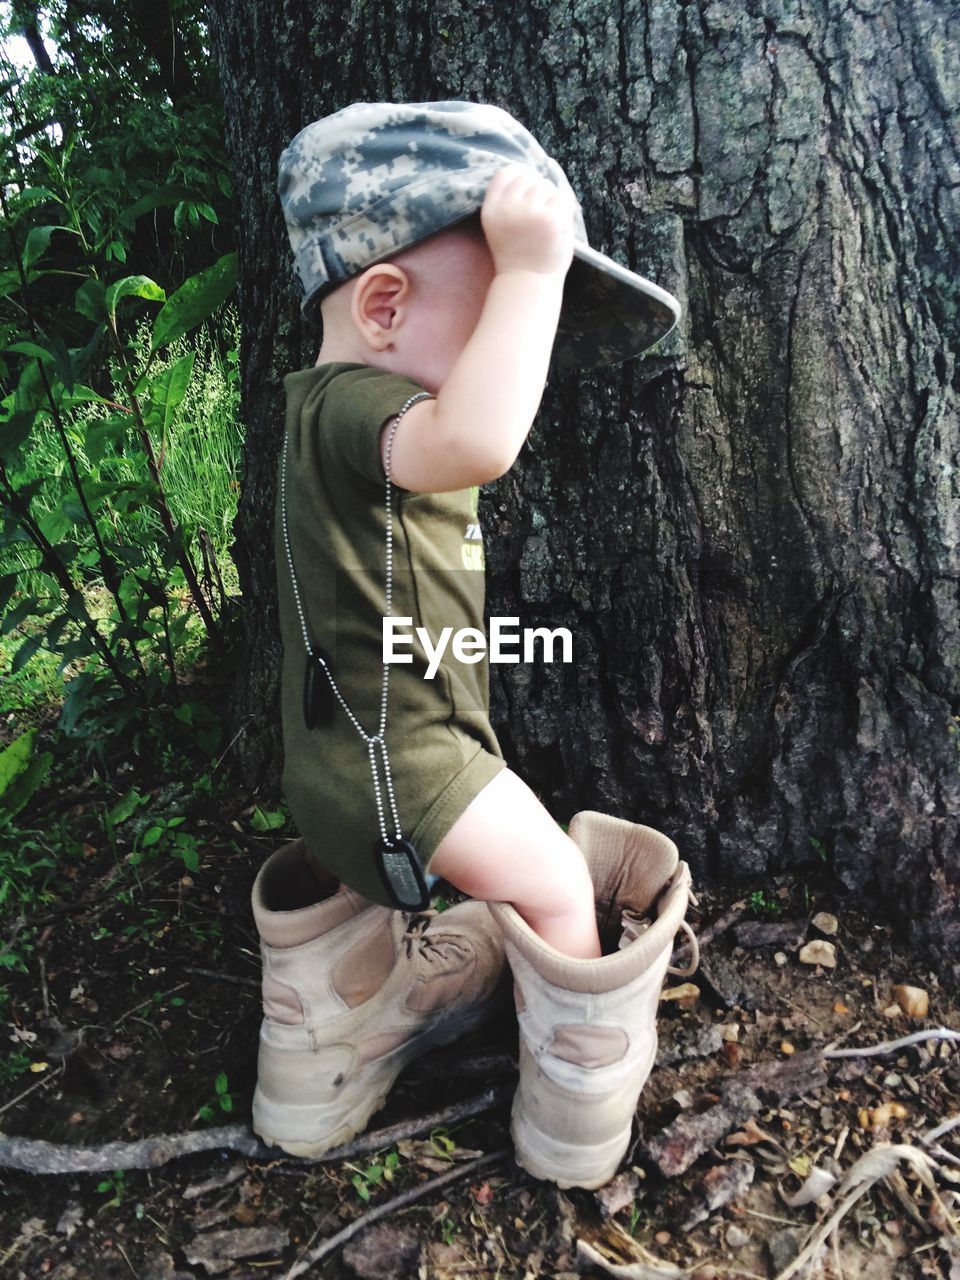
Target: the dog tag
(402, 875)
(318, 699)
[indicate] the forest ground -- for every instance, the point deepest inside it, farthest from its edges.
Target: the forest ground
(136, 1014)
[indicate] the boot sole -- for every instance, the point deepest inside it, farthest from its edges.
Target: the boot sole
(292, 1126)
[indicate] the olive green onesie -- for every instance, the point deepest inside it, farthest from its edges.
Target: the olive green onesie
(441, 746)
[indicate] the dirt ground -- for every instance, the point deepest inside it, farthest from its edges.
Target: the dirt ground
(137, 1014)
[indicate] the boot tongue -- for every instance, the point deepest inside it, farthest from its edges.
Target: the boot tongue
(629, 863)
(632, 924)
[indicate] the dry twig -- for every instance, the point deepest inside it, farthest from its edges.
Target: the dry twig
(891, 1046)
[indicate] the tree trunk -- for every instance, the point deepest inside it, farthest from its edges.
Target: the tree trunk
(753, 534)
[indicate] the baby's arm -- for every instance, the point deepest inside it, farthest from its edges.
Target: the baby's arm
(472, 432)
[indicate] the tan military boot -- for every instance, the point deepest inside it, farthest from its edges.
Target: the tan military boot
(352, 992)
(588, 1035)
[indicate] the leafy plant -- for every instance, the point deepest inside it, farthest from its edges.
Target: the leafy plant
(381, 1170)
(114, 1186)
(222, 1102)
(100, 565)
(763, 906)
(820, 849)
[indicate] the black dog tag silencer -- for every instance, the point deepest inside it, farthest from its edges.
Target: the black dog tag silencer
(318, 699)
(402, 875)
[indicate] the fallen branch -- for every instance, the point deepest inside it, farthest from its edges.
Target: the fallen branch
(415, 1194)
(33, 1155)
(891, 1046)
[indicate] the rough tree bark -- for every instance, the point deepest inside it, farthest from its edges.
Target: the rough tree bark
(753, 535)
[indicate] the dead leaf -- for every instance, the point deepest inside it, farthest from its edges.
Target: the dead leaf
(748, 1136)
(685, 991)
(818, 1183)
(483, 1195)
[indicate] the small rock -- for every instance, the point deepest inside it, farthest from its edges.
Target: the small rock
(892, 1011)
(663, 1237)
(736, 1237)
(819, 952)
(216, 1251)
(384, 1250)
(826, 923)
(782, 1248)
(684, 1099)
(690, 1042)
(914, 1001)
(730, 1032)
(892, 1081)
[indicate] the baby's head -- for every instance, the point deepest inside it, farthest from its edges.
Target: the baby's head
(413, 312)
(385, 185)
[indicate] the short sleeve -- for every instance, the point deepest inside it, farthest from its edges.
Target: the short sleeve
(357, 404)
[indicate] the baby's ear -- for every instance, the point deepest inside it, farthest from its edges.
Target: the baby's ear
(377, 304)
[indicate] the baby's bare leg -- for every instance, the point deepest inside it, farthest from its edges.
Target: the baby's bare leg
(505, 847)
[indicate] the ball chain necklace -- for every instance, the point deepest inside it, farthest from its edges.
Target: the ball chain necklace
(397, 861)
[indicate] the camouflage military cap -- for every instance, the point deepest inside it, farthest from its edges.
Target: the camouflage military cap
(376, 178)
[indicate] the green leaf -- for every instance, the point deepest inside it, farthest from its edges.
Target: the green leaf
(31, 349)
(15, 758)
(25, 653)
(151, 836)
(20, 773)
(132, 287)
(14, 432)
(8, 585)
(30, 196)
(191, 859)
(170, 193)
(126, 807)
(266, 819)
(55, 630)
(38, 242)
(91, 300)
(103, 432)
(17, 614)
(168, 389)
(220, 1084)
(196, 299)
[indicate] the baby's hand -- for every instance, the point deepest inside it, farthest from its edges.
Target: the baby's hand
(528, 222)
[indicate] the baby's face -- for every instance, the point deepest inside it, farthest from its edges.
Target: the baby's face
(449, 276)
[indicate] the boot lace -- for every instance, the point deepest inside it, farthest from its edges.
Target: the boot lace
(433, 948)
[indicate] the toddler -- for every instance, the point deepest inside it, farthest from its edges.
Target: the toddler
(444, 253)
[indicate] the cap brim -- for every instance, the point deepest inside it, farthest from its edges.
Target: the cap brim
(609, 314)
